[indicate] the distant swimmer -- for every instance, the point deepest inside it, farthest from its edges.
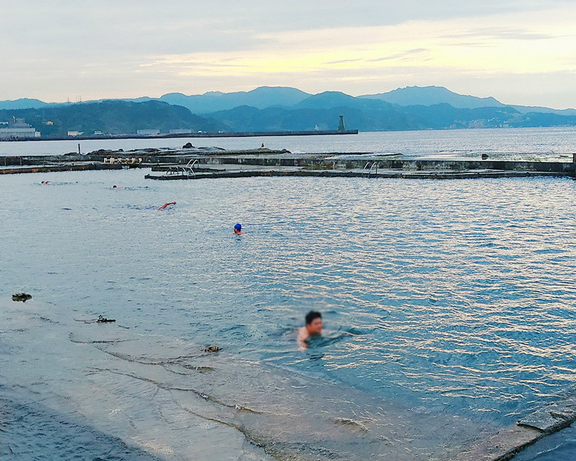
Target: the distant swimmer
(167, 204)
(238, 229)
(313, 328)
(45, 182)
(104, 320)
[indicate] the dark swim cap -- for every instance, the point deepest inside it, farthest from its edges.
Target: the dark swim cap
(238, 227)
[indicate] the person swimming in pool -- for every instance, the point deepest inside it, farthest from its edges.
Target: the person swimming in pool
(166, 205)
(313, 328)
(238, 229)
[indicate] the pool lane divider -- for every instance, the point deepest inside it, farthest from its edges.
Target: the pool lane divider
(511, 440)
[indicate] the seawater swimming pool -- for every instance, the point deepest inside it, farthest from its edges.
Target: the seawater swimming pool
(451, 301)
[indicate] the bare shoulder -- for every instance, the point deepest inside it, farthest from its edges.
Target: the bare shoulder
(302, 337)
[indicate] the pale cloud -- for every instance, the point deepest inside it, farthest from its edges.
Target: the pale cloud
(418, 53)
(497, 48)
(132, 48)
(500, 33)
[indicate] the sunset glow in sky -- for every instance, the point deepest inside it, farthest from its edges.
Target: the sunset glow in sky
(520, 52)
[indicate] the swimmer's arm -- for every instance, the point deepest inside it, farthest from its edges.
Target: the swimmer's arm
(301, 339)
(330, 333)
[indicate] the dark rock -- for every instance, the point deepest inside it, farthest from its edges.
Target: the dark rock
(21, 297)
(212, 349)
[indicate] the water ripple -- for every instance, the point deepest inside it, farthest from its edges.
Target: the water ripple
(459, 294)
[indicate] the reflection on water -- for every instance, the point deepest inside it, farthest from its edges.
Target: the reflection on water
(452, 304)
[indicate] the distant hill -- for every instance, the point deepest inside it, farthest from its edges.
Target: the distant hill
(23, 103)
(432, 95)
(544, 110)
(260, 98)
(111, 118)
(445, 116)
(383, 117)
(335, 99)
(245, 118)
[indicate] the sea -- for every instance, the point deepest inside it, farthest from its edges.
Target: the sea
(449, 306)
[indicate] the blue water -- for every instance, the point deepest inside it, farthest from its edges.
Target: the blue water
(446, 299)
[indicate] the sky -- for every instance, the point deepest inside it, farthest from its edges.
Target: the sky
(518, 51)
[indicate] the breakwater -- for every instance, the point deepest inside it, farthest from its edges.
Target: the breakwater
(199, 163)
(200, 134)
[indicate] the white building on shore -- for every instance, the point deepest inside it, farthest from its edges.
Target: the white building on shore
(181, 131)
(148, 132)
(17, 128)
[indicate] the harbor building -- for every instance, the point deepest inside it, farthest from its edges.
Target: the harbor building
(17, 128)
(148, 132)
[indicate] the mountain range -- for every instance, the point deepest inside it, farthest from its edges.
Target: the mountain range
(286, 97)
(283, 109)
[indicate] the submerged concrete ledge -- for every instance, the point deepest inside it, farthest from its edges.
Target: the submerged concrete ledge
(355, 174)
(510, 441)
(81, 166)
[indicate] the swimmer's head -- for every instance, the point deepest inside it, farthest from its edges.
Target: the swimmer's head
(238, 227)
(314, 322)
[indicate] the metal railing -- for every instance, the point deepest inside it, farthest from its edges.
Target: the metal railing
(369, 167)
(186, 170)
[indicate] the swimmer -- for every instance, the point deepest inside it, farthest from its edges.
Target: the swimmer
(104, 320)
(313, 328)
(45, 182)
(238, 229)
(167, 204)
